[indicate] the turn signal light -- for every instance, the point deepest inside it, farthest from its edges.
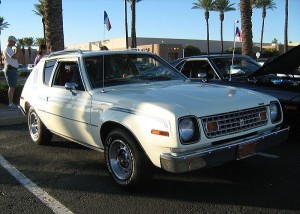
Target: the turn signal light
(263, 115)
(159, 132)
(212, 126)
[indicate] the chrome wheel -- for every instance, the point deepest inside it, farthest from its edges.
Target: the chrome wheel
(33, 124)
(120, 159)
(38, 131)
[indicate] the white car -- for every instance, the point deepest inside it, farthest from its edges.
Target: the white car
(145, 116)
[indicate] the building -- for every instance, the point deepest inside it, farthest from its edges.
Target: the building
(167, 48)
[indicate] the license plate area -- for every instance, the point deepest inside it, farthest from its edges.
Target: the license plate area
(246, 150)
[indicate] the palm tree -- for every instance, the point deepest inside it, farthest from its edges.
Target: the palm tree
(40, 11)
(39, 41)
(54, 24)
(22, 43)
(205, 5)
(29, 41)
(223, 6)
(264, 5)
(133, 30)
(286, 26)
(3, 25)
(246, 15)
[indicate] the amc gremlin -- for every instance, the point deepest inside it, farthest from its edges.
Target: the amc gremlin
(143, 113)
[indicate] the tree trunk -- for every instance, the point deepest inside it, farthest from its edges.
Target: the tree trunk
(222, 19)
(207, 36)
(54, 25)
(206, 14)
(286, 26)
(262, 34)
(246, 14)
(133, 33)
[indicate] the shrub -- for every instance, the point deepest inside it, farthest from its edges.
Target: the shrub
(191, 51)
(23, 73)
(3, 93)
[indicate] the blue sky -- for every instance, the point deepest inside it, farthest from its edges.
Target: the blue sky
(83, 20)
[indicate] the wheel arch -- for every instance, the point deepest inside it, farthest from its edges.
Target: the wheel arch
(111, 125)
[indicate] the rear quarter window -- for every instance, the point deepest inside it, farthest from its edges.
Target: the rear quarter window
(48, 70)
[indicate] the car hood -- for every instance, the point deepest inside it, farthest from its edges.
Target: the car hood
(199, 99)
(283, 64)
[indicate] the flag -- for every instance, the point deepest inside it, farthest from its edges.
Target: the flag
(106, 21)
(238, 35)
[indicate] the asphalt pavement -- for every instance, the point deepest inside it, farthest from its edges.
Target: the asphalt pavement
(11, 117)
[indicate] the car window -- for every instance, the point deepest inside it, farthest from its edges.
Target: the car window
(68, 72)
(49, 66)
(122, 69)
(198, 69)
(237, 67)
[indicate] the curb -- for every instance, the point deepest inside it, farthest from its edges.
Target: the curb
(8, 118)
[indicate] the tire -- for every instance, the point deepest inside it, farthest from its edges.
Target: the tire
(127, 164)
(38, 132)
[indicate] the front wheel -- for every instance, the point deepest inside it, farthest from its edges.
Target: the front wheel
(38, 131)
(126, 162)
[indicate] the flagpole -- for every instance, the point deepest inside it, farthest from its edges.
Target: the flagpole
(234, 34)
(103, 31)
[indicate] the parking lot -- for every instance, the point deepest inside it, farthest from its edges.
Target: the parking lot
(77, 178)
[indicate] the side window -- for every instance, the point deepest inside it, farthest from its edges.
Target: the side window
(49, 66)
(68, 72)
(196, 69)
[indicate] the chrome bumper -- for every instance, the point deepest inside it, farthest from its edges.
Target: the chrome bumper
(217, 155)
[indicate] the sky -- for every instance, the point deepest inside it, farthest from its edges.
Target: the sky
(83, 20)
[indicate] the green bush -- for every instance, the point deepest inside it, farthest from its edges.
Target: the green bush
(3, 93)
(23, 73)
(270, 52)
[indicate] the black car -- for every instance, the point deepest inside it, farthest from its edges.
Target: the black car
(280, 77)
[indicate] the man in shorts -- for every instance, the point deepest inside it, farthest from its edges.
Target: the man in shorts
(10, 69)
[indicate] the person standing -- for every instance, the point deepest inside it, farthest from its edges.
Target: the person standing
(11, 68)
(41, 52)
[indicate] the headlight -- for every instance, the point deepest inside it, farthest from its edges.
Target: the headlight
(275, 112)
(188, 130)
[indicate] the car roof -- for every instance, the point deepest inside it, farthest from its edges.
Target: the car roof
(177, 61)
(86, 53)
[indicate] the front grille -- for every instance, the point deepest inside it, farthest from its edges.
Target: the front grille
(234, 122)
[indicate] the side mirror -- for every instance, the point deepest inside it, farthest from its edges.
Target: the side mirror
(71, 86)
(202, 76)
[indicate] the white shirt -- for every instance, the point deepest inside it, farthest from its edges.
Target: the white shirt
(8, 60)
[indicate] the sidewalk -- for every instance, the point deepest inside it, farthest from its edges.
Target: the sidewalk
(10, 117)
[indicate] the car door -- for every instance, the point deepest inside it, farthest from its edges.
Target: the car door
(69, 110)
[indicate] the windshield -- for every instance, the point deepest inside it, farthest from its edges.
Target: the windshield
(120, 69)
(239, 67)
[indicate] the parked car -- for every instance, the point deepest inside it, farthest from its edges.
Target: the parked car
(30, 67)
(145, 116)
(22, 68)
(279, 77)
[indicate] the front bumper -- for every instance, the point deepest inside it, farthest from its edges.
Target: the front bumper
(218, 155)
